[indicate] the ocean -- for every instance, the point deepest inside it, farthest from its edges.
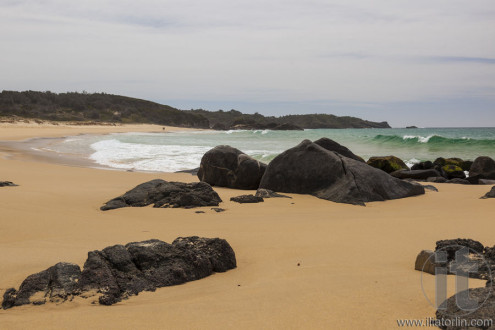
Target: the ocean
(174, 151)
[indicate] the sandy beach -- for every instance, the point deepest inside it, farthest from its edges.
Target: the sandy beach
(356, 264)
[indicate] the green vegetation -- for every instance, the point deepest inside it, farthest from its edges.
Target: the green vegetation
(99, 107)
(102, 107)
(232, 118)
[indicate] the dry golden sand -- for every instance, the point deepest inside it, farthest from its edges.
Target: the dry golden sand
(356, 263)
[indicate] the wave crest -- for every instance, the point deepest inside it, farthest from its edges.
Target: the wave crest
(436, 140)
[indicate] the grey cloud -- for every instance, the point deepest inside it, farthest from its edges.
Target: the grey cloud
(254, 54)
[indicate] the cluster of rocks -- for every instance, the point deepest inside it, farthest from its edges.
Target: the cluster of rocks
(322, 168)
(119, 271)
(162, 193)
(480, 265)
(7, 184)
(480, 257)
(442, 170)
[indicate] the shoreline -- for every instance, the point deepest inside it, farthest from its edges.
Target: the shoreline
(23, 140)
(349, 256)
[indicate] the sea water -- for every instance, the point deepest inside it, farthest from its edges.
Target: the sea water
(174, 151)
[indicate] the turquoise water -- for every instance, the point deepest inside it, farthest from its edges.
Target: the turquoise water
(174, 151)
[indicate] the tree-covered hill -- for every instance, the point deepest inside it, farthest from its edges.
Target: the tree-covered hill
(234, 118)
(102, 107)
(94, 107)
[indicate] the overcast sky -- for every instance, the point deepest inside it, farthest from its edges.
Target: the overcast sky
(424, 63)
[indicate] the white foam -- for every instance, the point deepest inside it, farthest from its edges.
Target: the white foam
(421, 139)
(163, 158)
(411, 162)
(69, 140)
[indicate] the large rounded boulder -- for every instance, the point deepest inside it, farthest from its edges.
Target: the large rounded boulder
(331, 145)
(387, 164)
(226, 166)
(483, 168)
(310, 169)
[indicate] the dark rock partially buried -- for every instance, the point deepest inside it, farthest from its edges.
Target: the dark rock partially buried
(310, 169)
(7, 184)
(437, 179)
(225, 166)
(490, 194)
(162, 193)
(267, 193)
(119, 271)
(481, 318)
(480, 264)
(57, 283)
(247, 199)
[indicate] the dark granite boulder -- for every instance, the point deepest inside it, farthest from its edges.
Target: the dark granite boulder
(483, 168)
(55, 284)
(415, 174)
(331, 145)
(310, 169)
(166, 194)
(225, 166)
(490, 194)
(119, 271)
(451, 246)
(388, 164)
(440, 161)
(247, 199)
(466, 165)
(482, 317)
(7, 184)
(422, 166)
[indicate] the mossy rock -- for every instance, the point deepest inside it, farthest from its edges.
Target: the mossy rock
(451, 168)
(454, 161)
(388, 164)
(448, 161)
(453, 171)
